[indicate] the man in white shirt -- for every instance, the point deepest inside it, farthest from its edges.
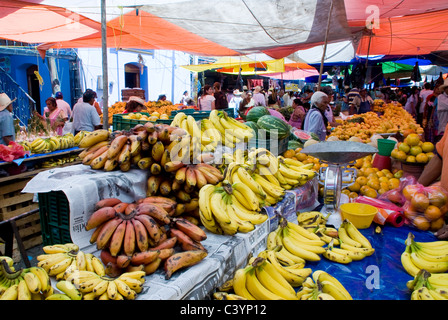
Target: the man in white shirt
(63, 104)
(85, 116)
(424, 93)
(259, 97)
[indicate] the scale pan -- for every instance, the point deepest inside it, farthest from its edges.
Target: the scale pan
(339, 151)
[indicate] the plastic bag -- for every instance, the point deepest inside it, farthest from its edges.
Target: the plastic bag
(425, 207)
(395, 196)
(11, 152)
(387, 211)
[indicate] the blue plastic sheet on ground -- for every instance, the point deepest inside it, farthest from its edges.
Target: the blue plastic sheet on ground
(380, 276)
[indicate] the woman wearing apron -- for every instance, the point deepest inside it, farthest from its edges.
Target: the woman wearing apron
(366, 102)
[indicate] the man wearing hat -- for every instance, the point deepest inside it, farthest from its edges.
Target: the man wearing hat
(62, 104)
(236, 100)
(354, 101)
(7, 131)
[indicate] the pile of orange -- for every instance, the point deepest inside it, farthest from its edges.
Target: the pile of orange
(425, 207)
(370, 181)
(393, 120)
(413, 150)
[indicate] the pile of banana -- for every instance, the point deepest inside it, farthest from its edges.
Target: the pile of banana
(430, 256)
(428, 286)
(59, 161)
(142, 235)
(228, 208)
(61, 260)
(218, 130)
(297, 243)
(87, 285)
(26, 284)
(323, 286)
(352, 245)
(46, 145)
(315, 221)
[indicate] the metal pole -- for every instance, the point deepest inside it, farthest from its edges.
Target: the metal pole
(173, 69)
(325, 47)
(104, 54)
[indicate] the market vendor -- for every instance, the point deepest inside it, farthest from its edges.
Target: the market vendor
(56, 115)
(7, 131)
(298, 114)
(437, 168)
(315, 119)
(134, 104)
(85, 116)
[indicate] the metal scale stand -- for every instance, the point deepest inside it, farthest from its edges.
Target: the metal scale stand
(338, 155)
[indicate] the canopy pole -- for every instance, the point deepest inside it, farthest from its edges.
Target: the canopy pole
(325, 46)
(105, 74)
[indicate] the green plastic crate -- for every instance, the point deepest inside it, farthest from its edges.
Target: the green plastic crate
(119, 123)
(54, 211)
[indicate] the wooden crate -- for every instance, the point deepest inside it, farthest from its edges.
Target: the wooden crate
(13, 202)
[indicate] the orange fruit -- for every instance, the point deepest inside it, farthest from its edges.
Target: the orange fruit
(410, 213)
(437, 224)
(301, 156)
(384, 186)
(415, 150)
(409, 191)
(437, 197)
(355, 186)
(410, 159)
(401, 155)
(364, 189)
(384, 179)
(372, 176)
(381, 191)
(420, 201)
(289, 153)
(413, 139)
(421, 223)
(352, 195)
(430, 155)
(361, 180)
(345, 191)
(404, 147)
(372, 193)
(393, 183)
(427, 146)
(432, 213)
(394, 153)
(374, 184)
(421, 158)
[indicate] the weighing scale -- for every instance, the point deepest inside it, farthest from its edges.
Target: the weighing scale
(338, 155)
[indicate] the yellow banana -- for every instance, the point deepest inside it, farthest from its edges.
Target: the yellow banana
(69, 289)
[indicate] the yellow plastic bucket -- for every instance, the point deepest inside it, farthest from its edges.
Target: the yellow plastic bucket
(360, 214)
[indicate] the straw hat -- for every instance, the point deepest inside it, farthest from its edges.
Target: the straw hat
(5, 101)
(237, 92)
(444, 85)
(137, 99)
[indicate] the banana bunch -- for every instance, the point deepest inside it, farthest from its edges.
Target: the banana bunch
(323, 286)
(91, 138)
(298, 244)
(218, 130)
(59, 161)
(26, 284)
(315, 221)
(228, 208)
(61, 260)
(293, 173)
(430, 256)
(67, 291)
(40, 145)
(353, 245)
(260, 280)
(87, 285)
(428, 286)
(78, 137)
(25, 144)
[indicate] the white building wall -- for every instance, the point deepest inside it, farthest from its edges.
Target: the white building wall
(164, 72)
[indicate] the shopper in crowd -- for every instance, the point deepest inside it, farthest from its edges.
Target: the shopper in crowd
(436, 173)
(85, 117)
(366, 101)
(246, 104)
(54, 114)
(207, 100)
(288, 98)
(345, 108)
(236, 100)
(134, 104)
(220, 97)
(62, 104)
(280, 95)
(442, 109)
(315, 119)
(354, 100)
(273, 99)
(162, 97)
(183, 100)
(259, 97)
(401, 97)
(413, 102)
(298, 114)
(7, 130)
(428, 122)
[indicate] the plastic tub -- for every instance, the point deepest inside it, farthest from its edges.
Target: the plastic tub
(360, 214)
(385, 146)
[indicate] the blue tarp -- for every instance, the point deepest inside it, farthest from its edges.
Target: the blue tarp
(380, 276)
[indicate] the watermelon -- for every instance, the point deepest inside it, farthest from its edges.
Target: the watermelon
(294, 144)
(254, 127)
(269, 123)
(256, 113)
(302, 136)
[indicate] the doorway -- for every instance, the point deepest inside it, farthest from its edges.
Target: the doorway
(33, 87)
(131, 76)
